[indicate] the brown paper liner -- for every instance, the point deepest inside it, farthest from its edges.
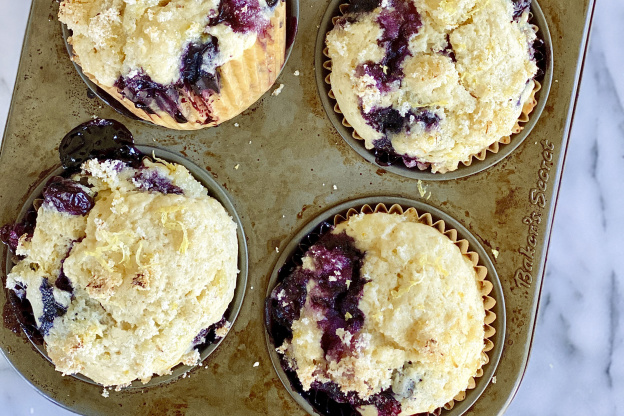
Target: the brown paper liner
(481, 271)
(243, 81)
(494, 148)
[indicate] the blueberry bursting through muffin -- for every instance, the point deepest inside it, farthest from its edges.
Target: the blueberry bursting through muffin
(105, 150)
(405, 91)
(337, 291)
(336, 295)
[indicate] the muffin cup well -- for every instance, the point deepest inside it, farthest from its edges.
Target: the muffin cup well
(243, 80)
(491, 289)
(477, 162)
(214, 190)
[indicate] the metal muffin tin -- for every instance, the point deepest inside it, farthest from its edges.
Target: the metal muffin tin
(333, 10)
(214, 190)
(283, 163)
(462, 234)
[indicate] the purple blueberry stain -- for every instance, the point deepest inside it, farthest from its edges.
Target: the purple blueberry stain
(520, 7)
(192, 74)
(151, 180)
(388, 120)
(539, 53)
(337, 290)
(62, 281)
(145, 93)
(67, 196)
(241, 15)
(10, 234)
(448, 50)
(209, 335)
(399, 24)
(51, 308)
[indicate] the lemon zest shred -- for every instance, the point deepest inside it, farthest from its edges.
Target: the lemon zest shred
(170, 166)
(175, 225)
(137, 256)
(113, 243)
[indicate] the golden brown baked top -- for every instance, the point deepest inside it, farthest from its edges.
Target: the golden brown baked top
(122, 289)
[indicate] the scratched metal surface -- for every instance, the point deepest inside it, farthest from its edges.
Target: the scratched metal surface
(292, 165)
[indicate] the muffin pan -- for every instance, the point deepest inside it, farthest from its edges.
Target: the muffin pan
(477, 165)
(215, 191)
(283, 163)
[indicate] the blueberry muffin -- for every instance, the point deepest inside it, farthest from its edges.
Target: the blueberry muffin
(128, 267)
(433, 82)
(182, 64)
(383, 316)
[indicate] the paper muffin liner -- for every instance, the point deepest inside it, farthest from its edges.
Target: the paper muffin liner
(242, 82)
(481, 272)
(413, 215)
(493, 148)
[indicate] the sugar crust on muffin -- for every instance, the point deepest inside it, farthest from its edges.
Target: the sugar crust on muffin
(123, 291)
(184, 64)
(431, 81)
(420, 334)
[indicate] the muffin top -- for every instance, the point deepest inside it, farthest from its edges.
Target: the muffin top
(126, 268)
(432, 81)
(161, 42)
(386, 314)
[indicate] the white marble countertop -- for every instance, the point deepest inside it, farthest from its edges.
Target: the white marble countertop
(577, 362)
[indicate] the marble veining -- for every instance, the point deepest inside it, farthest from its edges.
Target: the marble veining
(577, 362)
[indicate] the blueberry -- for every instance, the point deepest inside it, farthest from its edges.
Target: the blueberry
(152, 181)
(386, 403)
(11, 233)
(67, 196)
(448, 50)
(62, 281)
(385, 120)
(241, 15)
(519, 7)
(539, 53)
(193, 59)
(99, 138)
(208, 335)
(426, 117)
(145, 93)
(51, 308)
(398, 24)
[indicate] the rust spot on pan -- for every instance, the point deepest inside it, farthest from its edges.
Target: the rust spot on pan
(300, 213)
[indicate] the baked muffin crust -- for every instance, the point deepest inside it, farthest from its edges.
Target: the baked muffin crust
(124, 290)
